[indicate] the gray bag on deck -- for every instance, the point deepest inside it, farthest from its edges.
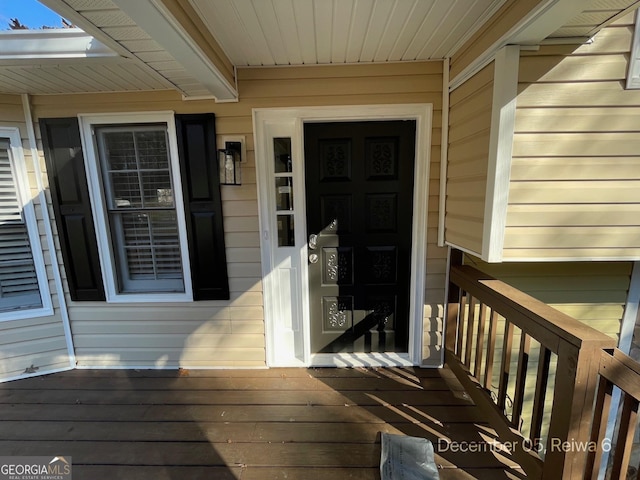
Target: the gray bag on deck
(407, 458)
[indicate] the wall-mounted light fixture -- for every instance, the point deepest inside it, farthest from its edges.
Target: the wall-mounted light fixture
(229, 160)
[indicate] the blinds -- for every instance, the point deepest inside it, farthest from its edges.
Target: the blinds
(18, 278)
(141, 208)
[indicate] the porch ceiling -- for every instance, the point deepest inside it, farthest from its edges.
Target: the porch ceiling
(297, 32)
(194, 46)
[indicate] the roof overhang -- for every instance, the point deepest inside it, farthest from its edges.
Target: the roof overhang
(187, 64)
(157, 20)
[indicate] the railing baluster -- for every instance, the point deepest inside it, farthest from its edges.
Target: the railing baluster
(624, 441)
(599, 427)
(521, 376)
(505, 364)
(482, 318)
(461, 323)
(471, 316)
(540, 393)
(491, 350)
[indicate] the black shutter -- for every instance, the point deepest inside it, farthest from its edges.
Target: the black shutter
(203, 206)
(70, 196)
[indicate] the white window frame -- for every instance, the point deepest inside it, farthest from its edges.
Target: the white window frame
(633, 73)
(93, 169)
(19, 171)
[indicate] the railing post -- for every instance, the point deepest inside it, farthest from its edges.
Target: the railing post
(571, 413)
(453, 302)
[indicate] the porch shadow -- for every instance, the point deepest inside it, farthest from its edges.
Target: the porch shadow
(240, 424)
(115, 424)
(432, 404)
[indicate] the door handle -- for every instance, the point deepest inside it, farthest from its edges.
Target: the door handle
(313, 258)
(313, 241)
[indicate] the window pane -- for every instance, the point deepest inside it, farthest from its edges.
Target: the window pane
(286, 231)
(282, 154)
(141, 211)
(157, 189)
(284, 193)
(151, 248)
(125, 190)
(136, 229)
(164, 228)
(152, 149)
(168, 262)
(119, 151)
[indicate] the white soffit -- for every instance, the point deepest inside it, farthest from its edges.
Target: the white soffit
(299, 32)
(156, 21)
(112, 26)
(56, 61)
(596, 15)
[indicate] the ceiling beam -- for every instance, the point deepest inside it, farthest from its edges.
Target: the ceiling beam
(174, 29)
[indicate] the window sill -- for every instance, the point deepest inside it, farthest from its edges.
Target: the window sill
(149, 297)
(25, 314)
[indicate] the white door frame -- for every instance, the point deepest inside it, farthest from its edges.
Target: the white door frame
(284, 269)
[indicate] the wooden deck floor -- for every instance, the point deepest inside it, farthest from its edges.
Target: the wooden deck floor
(240, 424)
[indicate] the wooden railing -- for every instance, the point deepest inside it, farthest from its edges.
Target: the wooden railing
(496, 373)
(616, 369)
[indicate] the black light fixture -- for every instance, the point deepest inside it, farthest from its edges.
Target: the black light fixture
(229, 160)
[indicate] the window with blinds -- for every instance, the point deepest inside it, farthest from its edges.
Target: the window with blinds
(18, 276)
(138, 190)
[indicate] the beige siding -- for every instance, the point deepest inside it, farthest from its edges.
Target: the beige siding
(575, 181)
(593, 292)
(231, 333)
(469, 131)
(35, 342)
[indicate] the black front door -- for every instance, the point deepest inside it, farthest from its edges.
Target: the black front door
(359, 195)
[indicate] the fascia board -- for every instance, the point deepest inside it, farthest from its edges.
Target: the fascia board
(154, 19)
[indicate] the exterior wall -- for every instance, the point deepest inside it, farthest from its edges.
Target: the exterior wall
(231, 333)
(34, 345)
(469, 137)
(593, 292)
(575, 181)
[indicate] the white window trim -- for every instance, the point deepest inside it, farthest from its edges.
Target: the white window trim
(99, 210)
(24, 196)
(633, 73)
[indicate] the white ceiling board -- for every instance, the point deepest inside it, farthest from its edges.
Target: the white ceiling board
(265, 11)
(323, 27)
(399, 20)
(305, 28)
(296, 32)
(380, 18)
(285, 12)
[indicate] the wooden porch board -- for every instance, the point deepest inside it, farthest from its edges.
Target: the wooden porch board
(242, 424)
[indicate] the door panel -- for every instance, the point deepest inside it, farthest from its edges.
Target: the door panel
(359, 189)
